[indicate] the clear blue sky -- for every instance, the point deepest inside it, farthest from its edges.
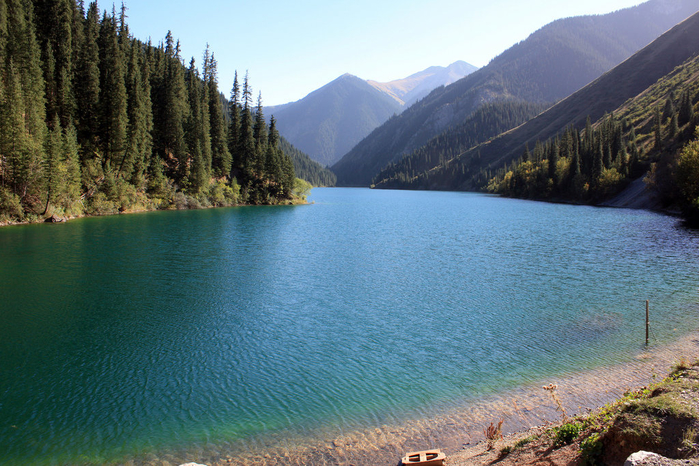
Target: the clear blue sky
(292, 47)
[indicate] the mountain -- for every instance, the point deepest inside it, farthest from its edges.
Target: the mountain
(328, 122)
(549, 65)
(640, 83)
(409, 90)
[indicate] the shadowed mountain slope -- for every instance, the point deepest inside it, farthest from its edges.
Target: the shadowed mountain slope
(552, 63)
(606, 94)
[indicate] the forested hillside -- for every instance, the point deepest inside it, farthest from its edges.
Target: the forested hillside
(473, 168)
(307, 169)
(487, 122)
(94, 121)
(551, 64)
(653, 133)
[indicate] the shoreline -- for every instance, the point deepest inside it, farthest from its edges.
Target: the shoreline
(458, 431)
(66, 219)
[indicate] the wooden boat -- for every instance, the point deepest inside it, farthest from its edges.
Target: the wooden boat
(424, 458)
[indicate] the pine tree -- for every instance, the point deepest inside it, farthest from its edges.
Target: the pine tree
(25, 84)
(197, 130)
(553, 160)
(138, 146)
(259, 132)
(87, 85)
(234, 130)
(113, 111)
(174, 111)
(246, 145)
(52, 163)
(273, 162)
(220, 154)
(55, 34)
(657, 129)
(686, 113)
(71, 161)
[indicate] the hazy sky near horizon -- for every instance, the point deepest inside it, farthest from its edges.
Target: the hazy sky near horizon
(291, 48)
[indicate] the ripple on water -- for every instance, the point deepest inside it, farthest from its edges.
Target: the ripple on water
(302, 331)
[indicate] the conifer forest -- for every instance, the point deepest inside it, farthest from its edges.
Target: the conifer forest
(94, 121)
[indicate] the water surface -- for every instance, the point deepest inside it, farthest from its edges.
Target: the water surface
(128, 337)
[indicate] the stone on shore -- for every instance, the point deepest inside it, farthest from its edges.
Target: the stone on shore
(646, 458)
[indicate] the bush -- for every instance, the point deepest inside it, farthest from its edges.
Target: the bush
(100, 205)
(10, 206)
(567, 433)
(591, 449)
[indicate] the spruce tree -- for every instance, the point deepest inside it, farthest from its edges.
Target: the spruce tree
(53, 179)
(686, 113)
(246, 145)
(87, 85)
(259, 132)
(221, 159)
(113, 111)
(197, 130)
(25, 77)
(138, 146)
(657, 129)
(553, 160)
(234, 129)
(174, 110)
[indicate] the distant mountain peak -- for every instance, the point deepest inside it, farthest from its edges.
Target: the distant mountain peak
(416, 86)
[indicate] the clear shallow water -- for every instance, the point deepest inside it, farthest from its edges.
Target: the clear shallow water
(134, 335)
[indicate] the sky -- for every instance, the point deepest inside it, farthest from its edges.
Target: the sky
(292, 47)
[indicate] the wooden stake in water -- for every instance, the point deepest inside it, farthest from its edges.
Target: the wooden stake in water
(647, 320)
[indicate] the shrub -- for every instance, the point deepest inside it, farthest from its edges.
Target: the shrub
(100, 205)
(10, 206)
(567, 433)
(591, 449)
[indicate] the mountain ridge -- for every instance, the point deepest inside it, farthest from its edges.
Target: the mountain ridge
(609, 93)
(549, 65)
(331, 120)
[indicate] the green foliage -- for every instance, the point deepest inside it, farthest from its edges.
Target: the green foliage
(302, 188)
(567, 433)
(307, 169)
(687, 180)
(487, 122)
(93, 121)
(591, 449)
(10, 206)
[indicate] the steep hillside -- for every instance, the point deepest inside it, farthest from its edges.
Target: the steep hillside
(548, 66)
(305, 168)
(409, 90)
(610, 93)
(331, 120)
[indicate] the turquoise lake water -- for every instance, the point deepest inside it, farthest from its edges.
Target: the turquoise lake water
(129, 336)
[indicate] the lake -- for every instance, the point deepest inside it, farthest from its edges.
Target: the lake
(192, 334)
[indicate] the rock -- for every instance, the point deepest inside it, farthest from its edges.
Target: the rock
(646, 458)
(55, 219)
(192, 464)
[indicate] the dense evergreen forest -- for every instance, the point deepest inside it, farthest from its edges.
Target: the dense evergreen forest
(306, 168)
(487, 122)
(94, 121)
